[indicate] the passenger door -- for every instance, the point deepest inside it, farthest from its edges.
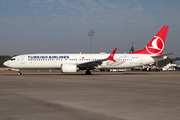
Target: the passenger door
(140, 59)
(22, 60)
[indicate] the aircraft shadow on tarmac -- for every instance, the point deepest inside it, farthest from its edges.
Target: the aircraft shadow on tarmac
(71, 74)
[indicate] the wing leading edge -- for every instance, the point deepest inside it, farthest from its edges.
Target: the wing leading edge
(92, 64)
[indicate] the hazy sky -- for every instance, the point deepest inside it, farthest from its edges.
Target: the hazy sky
(62, 26)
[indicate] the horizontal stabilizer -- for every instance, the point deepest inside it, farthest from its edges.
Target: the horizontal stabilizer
(159, 56)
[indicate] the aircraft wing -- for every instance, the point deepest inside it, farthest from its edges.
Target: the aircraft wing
(160, 56)
(92, 64)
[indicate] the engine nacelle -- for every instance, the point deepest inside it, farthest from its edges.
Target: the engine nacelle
(65, 68)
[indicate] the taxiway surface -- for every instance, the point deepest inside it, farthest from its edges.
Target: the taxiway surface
(100, 96)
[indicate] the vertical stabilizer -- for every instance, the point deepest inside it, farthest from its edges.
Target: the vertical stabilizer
(156, 45)
(132, 48)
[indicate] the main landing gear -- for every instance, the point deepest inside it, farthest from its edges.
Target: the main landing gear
(88, 72)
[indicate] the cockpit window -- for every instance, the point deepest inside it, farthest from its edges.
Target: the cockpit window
(12, 59)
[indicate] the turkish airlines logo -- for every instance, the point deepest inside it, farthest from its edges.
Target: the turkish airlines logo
(156, 46)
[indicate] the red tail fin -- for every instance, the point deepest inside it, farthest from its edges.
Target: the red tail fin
(156, 45)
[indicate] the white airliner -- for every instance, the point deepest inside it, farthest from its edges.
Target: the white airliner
(69, 63)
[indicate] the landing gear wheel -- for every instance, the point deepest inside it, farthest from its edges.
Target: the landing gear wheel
(88, 72)
(19, 73)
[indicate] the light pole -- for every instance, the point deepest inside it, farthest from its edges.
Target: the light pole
(91, 33)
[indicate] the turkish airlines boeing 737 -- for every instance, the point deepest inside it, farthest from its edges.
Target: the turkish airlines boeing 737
(74, 62)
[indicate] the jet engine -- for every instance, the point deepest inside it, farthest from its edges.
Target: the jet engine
(65, 68)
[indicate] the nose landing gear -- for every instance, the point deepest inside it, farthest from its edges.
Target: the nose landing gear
(19, 73)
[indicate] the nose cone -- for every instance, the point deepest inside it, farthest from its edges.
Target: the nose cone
(6, 64)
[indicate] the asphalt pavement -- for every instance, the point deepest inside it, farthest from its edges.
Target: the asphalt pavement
(100, 96)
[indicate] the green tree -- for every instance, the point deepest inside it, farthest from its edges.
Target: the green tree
(3, 58)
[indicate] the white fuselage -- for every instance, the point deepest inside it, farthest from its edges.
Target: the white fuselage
(54, 61)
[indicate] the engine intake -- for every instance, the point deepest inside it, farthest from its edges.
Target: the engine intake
(65, 68)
